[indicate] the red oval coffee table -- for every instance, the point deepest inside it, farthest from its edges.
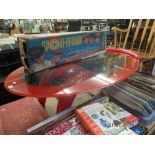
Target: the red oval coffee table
(91, 73)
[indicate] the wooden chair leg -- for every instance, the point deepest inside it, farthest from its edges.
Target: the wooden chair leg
(140, 66)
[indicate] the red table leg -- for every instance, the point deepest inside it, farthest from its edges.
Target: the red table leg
(42, 101)
(64, 102)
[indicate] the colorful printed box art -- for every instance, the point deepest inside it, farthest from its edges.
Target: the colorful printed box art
(124, 116)
(99, 121)
(44, 51)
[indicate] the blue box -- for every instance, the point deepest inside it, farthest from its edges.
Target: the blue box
(46, 50)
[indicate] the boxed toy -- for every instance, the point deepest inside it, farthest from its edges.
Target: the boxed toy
(46, 50)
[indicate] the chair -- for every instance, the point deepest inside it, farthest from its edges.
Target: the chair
(138, 37)
(17, 116)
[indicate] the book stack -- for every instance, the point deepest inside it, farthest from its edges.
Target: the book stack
(136, 100)
(68, 127)
(45, 126)
(99, 117)
(99, 121)
(143, 81)
(124, 116)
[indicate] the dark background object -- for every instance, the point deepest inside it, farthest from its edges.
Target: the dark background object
(5, 96)
(9, 61)
(74, 25)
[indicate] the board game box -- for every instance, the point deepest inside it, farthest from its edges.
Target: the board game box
(47, 50)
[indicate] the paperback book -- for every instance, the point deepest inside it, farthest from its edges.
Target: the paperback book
(68, 127)
(127, 131)
(140, 130)
(99, 121)
(124, 116)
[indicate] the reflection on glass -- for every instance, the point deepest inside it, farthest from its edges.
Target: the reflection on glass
(105, 78)
(102, 66)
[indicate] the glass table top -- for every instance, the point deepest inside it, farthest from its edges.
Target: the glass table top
(90, 73)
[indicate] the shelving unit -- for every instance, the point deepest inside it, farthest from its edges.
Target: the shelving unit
(9, 61)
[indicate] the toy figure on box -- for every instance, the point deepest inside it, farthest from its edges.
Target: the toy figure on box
(37, 55)
(98, 37)
(57, 58)
(92, 38)
(86, 38)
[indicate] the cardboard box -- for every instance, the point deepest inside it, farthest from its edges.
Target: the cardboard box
(46, 50)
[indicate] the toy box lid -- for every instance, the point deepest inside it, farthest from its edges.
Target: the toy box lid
(46, 35)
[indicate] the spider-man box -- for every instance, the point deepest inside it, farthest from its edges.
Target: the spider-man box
(42, 51)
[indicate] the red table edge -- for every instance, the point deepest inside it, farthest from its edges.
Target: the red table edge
(124, 51)
(111, 50)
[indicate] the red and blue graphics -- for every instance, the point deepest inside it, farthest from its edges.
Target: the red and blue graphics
(54, 50)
